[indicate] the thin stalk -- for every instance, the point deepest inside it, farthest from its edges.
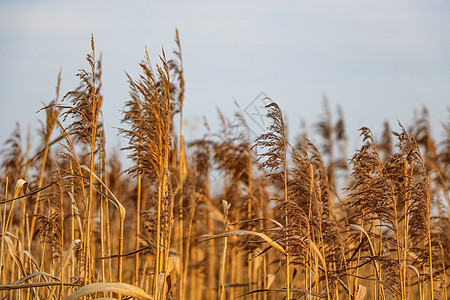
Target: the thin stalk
(2, 253)
(285, 181)
(108, 242)
(355, 280)
(308, 254)
(61, 208)
(24, 204)
(429, 241)
(380, 286)
(323, 254)
(181, 175)
(72, 229)
(102, 206)
(406, 219)
(188, 248)
(211, 260)
(138, 226)
(234, 257)
(158, 245)
(222, 292)
(249, 217)
(88, 270)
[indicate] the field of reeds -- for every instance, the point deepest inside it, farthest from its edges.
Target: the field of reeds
(222, 217)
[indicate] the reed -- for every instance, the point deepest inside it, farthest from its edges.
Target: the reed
(224, 216)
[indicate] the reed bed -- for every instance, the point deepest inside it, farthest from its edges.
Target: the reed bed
(223, 217)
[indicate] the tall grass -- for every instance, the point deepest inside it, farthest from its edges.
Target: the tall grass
(222, 217)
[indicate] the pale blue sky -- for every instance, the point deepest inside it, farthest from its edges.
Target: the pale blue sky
(379, 60)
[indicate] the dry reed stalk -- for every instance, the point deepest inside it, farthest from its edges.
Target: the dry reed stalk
(78, 207)
(150, 120)
(41, 180)
(177, 67)
(96, 103)
(138, 226)
(2, 255)
(188, 248)
(375, 193)
(325, 129)
(86, 105)
(102, 162)
(275, 158)
(52, 113)
(212, 283)
(108, 242)
(250, 272)
(222, 292)
(22, 225)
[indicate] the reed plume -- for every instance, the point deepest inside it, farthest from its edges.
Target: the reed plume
(275, 160)
(12, 159)
(148, 115)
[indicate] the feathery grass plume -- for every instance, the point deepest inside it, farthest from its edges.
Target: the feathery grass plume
(385, 145)
(302, 136)
(390, 274)
(417, 207)
(50, 223)
(234, 157)
(423, 136)
(243, 172)
(274, 142)
(231, 154)
(309, 205)
(436, 171)
(204, 222)
(341, 139)
(73, 182)
(176, 67)
(51, 230)
(444, 162)
(12, 160)
(114, 171)
(52, 113)
(330, 236)
(333, 134)
(191, 202)
(372, 189)
(275, 160)
(444, 154)
(86, 101)
(325, 128)
(84, 111)
(415, 194)
(440, 237)
(303, 205)
(376, 193)
(202, 165)
(44, 156)
(148, 116)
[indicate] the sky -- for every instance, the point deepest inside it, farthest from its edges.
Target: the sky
(379, 60)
